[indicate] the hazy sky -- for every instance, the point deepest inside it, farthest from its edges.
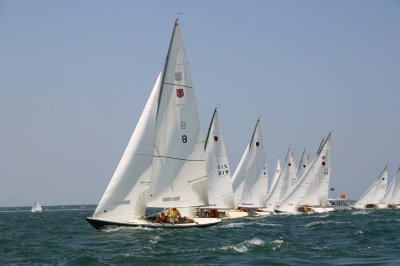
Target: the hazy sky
(75, 76)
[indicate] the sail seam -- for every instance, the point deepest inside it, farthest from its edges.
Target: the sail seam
(180, 85)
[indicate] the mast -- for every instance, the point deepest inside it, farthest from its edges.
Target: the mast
(209, 128)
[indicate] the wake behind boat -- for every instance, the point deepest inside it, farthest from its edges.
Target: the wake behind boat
(164, 164)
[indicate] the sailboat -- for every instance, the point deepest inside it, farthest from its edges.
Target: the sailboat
(285, 183)
(250, 180)
(392, 196)
(164, 164)
(36, 207)
(220, 192)
(311, 191)
(373, 196)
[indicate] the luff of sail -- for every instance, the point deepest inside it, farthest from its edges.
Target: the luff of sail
(179, 176)
(220, 193)
(126, 194)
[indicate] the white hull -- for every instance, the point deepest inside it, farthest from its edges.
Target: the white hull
(198, 222)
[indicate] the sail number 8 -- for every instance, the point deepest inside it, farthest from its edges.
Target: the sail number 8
(184, 138)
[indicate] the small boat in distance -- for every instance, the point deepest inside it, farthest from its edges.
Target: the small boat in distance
(372, 198)
(36, 207)
(164, 163)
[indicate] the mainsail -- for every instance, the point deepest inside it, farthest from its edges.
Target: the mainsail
(179, 177)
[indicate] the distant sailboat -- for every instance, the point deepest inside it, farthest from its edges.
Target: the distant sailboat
(164, 163)
(373, 196)
(312, 188)
(250, 180)
(36, 207)
(285, 183)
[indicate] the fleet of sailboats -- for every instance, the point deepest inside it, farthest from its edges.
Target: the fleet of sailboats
(168, 165)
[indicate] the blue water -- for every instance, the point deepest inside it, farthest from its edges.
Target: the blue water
(61, 236)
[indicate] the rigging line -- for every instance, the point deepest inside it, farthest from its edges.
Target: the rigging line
(169, 157)
(179, 85)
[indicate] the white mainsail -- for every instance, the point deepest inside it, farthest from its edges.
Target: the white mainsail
(36, 207)
(374, 193)
(312, 188)
(179, 177)
(220, 192)
(250, 180)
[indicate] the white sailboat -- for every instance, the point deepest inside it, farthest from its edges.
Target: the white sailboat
(286, 182)
(250, 180)
(163, 165)
(220, 192)
(392, 196)
(312, 188)
(373, 196)
(36, 207)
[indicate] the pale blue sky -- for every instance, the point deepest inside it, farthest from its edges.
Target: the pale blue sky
(75, 76)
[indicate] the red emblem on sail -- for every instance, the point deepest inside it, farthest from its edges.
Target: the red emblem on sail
(216, 138)
(180, 93)
(178, 76)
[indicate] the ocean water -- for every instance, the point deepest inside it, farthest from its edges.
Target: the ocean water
(61, 236)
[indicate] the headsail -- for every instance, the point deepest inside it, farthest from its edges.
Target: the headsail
(126, 194)
(220, 193)
(250, 180)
